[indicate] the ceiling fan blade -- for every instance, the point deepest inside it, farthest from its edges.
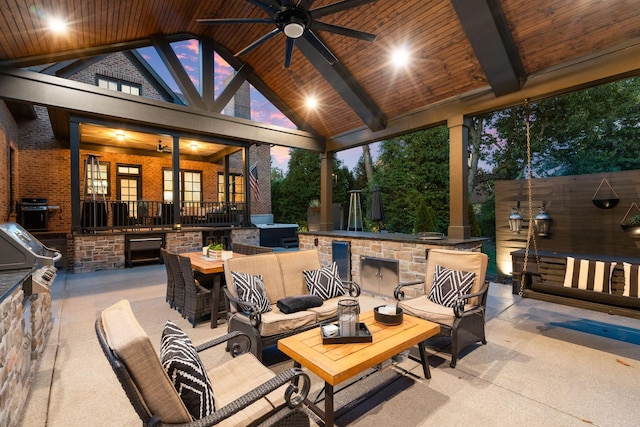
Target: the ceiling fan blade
(287, 3)
(337, 7)
(344, 31)
(258, 42)
(235, 21)
(305, 4)
(266, 6)
(318, 45)
(288, 52)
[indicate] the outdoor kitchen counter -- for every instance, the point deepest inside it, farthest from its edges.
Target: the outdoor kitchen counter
(10, 280)
(435, 239)
(379, 261)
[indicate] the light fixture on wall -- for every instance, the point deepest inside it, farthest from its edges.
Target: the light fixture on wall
(194, 145)
(120, 136)
(543, 221)
(515, 221)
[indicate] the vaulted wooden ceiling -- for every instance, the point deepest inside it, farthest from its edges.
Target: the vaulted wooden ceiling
(467, 56)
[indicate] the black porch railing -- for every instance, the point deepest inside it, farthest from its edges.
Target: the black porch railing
(117, 215)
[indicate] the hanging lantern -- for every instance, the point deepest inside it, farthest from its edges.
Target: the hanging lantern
(542, 221)
(515, 221)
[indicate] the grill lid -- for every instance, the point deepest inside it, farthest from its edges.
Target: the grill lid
(20, 249)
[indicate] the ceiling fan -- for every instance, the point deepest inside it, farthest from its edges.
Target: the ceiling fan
(295, 20)
(162, 148)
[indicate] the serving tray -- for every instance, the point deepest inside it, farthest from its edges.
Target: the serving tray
(362, 335)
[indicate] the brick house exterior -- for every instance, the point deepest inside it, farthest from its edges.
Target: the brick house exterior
(41, 165)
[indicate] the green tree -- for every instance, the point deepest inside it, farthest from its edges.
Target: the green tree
(290, 196)
(412, 168)
(589, 131)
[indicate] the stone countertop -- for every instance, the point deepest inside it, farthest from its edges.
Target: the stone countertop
(10, 279)
(430, 238)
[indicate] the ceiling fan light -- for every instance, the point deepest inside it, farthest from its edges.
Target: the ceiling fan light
(294, 29)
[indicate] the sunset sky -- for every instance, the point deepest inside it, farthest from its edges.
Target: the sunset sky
(261, 109)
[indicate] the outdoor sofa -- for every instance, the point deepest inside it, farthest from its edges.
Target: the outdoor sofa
(283, 279)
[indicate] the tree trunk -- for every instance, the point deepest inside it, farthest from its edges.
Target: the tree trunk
(368, 164)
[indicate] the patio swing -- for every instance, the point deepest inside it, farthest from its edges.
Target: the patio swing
(530, 234)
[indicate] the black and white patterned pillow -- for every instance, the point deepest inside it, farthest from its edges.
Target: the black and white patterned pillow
(186, 371)
(250, 288)
(448, 285)
(324, 282)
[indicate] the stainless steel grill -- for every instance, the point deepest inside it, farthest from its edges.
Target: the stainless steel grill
(33, 214)
(20, 250)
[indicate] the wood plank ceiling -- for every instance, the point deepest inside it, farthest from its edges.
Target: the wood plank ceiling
(458, 47)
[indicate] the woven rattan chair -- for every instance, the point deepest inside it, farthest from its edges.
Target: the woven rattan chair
(173, 265)
(246, 393)
(170, 298)
(197, 299)
(465, 322)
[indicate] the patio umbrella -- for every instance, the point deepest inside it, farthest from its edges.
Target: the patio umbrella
(377, 212)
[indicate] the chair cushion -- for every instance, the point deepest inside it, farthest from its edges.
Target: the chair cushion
(324, 282)
(588, 274)
(424, 308)
(133, 346)
(448, 285)
(631, 280)
(239, 376)
(296, 303)
(249, 288)
(186, 371)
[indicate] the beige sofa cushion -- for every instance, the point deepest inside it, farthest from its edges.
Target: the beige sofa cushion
(276, 322)
(265, 265)
(131, 343)
(237, 377)
(292, 264)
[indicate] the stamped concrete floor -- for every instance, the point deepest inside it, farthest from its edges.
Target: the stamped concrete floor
(544, 365)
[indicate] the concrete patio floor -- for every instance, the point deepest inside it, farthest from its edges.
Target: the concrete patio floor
(544, 365)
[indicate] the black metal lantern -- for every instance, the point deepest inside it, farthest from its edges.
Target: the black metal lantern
(515, 221)
(542, 221)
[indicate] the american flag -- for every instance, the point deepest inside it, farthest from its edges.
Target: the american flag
(253, 180)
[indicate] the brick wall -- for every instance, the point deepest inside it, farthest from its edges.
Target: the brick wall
(117, 66)
(8, 136)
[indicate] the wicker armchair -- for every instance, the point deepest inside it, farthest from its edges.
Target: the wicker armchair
(246, 392)
(170, 298)
(172, 263)
(197, 299)
(465, 321)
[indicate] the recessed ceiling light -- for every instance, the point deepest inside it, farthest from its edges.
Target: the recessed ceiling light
(400, 57)
(57, 25)
(312, 102)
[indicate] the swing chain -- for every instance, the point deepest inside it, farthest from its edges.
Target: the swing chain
(530, 233)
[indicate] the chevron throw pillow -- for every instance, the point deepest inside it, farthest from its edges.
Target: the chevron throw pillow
(250, 288)
(448, 285)
(186, 371)
(324, 282)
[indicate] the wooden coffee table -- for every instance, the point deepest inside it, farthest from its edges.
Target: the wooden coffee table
(335, 363)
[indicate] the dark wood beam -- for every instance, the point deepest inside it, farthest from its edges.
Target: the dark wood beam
(73, 54)
(91, 101)
(486, 28)
(179, 74)
(345, 85)
(266, 91)
(232, 87)
(152, 77)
